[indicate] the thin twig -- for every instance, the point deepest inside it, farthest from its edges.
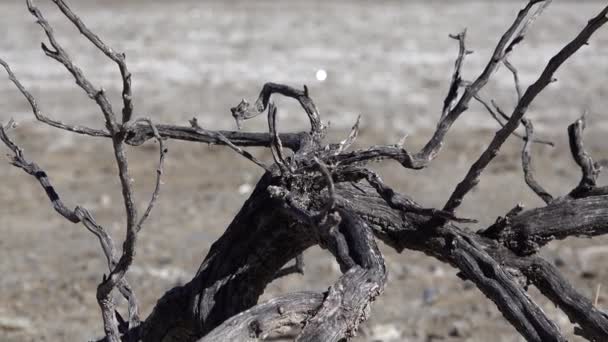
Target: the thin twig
(527, 24)
(352, 136)
(276, 147)
(433, 146)
(452, 95)
(431, 149)
(513, 70)
(118, 58)
(162, 151)
(526, 161)
(44, 119)
(79, 214)
(59, 54)
(217, 135)
(494, 114)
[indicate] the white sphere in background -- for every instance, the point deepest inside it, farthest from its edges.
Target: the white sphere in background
(321, 75)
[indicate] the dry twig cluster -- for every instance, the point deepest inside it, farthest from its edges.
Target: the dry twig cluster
(324, 194)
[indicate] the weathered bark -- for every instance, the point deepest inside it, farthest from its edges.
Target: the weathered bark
(323, 195)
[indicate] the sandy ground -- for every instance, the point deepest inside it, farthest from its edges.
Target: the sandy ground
(389, 62)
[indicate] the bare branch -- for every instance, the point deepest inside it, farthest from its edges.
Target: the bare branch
(244, 110)
(276, 148)
(527, 24)
(396, 200)
(118, 58)
(345, 305)
(60, 55)
(494, 114)
(431, 149)
(79, 214)
(138, 134)
(452, 95)
(42, 118)
(434, 145)
(262, 320)
(593, 323)
(162, 151)
(472, 177)
(513, 70)
(352, 136)
(508, 296)
(589, 168)
(220, 138)
(526, 161)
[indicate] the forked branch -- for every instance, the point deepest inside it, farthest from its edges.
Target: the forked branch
(325, 195)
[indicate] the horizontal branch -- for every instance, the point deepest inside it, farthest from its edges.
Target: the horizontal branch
(138, 134)
(562, 218)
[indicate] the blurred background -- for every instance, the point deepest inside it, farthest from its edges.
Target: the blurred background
(389, 61)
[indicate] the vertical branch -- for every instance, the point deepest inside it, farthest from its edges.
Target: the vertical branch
(589, 168)
(452, 95)
(118, 58)
(526, 161)
(162, 151)
(275, 143)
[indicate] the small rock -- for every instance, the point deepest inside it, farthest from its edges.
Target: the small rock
(588, 274)
(15, 324)
(384, 333)
(459, 329)
(429, 295)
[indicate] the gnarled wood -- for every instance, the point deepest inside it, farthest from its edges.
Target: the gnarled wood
(323, 195)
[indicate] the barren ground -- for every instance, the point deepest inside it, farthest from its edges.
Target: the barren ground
(388, 61)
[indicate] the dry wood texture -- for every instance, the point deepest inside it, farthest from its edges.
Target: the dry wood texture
(318, 193)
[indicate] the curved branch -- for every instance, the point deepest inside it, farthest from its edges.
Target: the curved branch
(347, 302)
(244, 110)
(526, 161)
(44, 119)
(589, 168)
(260, 321)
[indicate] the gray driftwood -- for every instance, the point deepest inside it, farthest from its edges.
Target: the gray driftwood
(319, 193)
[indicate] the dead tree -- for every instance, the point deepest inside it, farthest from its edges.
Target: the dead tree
(318, 193)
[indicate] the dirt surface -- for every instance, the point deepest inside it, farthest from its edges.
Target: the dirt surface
(388, 61)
